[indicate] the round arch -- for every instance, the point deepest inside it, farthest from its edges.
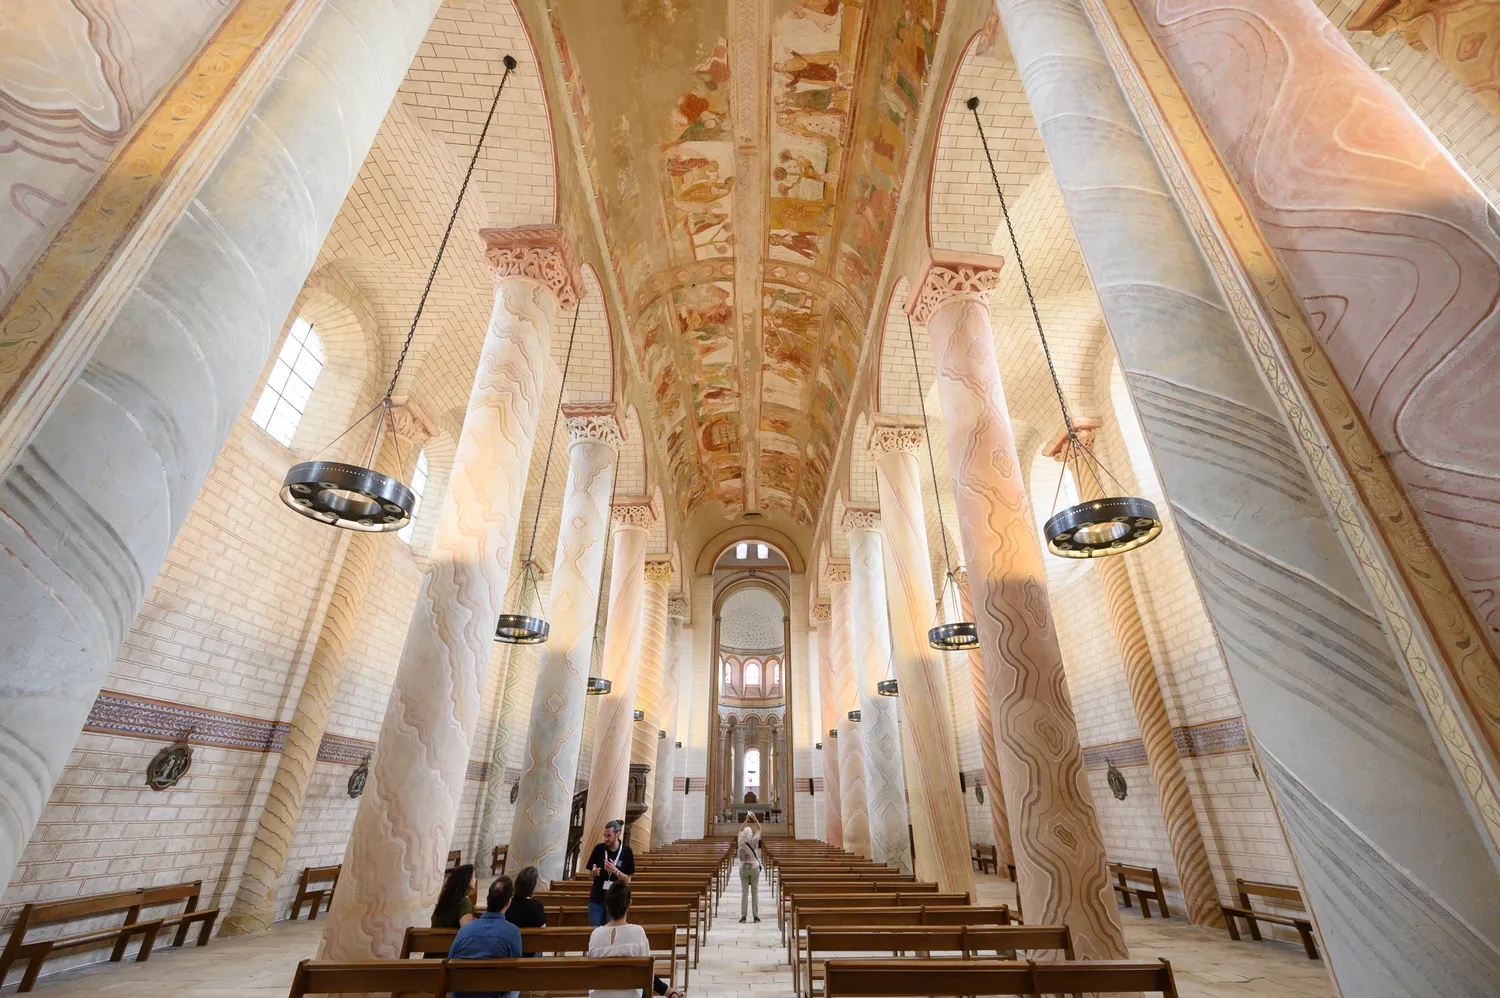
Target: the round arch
(725, 539)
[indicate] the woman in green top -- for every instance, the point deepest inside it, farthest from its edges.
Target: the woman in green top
(455, 908)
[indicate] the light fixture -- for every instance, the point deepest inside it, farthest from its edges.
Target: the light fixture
(598, 686)
(661, 734)
(354, 496)
(638, 715)
(678, 745)
(833, 732)
(819, 745)
(956, 635)
(854, 716)
(1094, 527)
(887, 688)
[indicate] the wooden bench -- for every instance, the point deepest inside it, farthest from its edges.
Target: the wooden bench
(307, 892)
(968, 941)
(646, 915)
(696, 904)
(127, 903)
(554, 975)
(878, 919)
(1124, 875)
(791, 892)
(902, 978)
(986, 859)
(499, 856)
(1281, 894)
(668, 942)
(455, 858)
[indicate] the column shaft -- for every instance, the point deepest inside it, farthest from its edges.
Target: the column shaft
(737, 760)
(544, 799)
(648, 693)
(663, 829)
(1366, 801)
(609, 774)
(91, 506)
(940, 826)
(880, 725)
(999, 821)
(1060, 861)
(393, 864)
(853, 803)
(833, 820)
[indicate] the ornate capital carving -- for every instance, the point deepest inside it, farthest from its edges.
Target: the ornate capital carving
(1087, 427)
(659, 571)
(838, 571)
(861, 519)
(541, 254)
(677, 608)
(895, 433)
(961, 577)
(636, 511)
(954, 277)
(594, 423)
(411, 423)
(822, 610)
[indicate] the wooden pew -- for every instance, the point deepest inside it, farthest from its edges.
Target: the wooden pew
(667, 942)
(986, 859)
(696, 904)
(308, 892)
(902, 978)
(968, 941)
(555, 975)
(877, 919)
(1281, 894)
(499, 856)
(813, 889)
(577, 915)
(189, 892)
(1124, 887)
(455, 858)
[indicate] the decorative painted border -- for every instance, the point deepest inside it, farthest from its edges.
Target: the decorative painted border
(1193, 741)
(807, 785)
(683, 785)
(1436, 633)
(343, 749)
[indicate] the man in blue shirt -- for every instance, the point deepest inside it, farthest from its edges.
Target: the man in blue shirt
(490, 936)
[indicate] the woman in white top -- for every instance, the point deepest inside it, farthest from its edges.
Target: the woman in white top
(749, 857)
(619, 938)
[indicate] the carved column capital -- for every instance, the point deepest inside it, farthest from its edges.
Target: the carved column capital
(659, 571)
(593, 423)
(954, 277)
(411, 423)
(635, 511)
(960, 579)
(837, 571)
(541, 254)
(822, 610)
(889, 434)
(677, 608)
(1087, 428)
(856, 518)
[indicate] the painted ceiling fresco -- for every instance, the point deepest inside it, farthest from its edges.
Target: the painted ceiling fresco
(747, 158)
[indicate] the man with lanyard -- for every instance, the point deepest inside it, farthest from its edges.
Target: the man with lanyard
(611, 860)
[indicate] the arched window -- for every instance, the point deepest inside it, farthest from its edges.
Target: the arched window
(752, 673)
(775, 673)
(291, 383)
(418, 485)
(752, 769)
(728, 672)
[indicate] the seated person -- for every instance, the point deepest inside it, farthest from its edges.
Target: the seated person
(526, 912)
(490, 936)
(619, 938)
(454, 908)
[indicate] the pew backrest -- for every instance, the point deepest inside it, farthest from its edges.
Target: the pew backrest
(942, 978)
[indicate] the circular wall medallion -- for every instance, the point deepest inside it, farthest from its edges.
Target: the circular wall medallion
(1116, 780)
(169, 766)
(979, 794)
(359, 778)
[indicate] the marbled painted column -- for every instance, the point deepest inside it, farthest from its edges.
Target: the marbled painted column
(833, 819)
(940, 826)
(999, 821)
(1382, 838)
(544, 799)
(1060, 864)
(663, 829)
(90, 508)
(853, 802)
(254, 906)
(644, 737)
(737, 762)
(880, 723)
(393, 864)
(1194, 874)
(609, 773)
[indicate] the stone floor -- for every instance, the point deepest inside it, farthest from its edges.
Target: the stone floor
(739, 961)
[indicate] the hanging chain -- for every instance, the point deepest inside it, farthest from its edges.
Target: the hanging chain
(973, 105)
(552, 437)
(937, 494)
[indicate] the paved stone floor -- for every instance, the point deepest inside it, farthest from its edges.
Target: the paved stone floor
(739, 961)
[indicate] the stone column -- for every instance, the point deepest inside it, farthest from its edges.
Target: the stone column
(833, 820)
(1196, 876)
(999, 821)
(1060, 863)
(853, 803)
(393, 865)
(254, 906)
(609, 774)
(1384, 842)
(880, 725)
(663, 829)
(737, 760)
(91, 506)
(544, 798)
(940, 826)
(649, 692)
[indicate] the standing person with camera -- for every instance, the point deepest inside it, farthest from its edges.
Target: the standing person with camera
(749, 857)
(610, 862)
